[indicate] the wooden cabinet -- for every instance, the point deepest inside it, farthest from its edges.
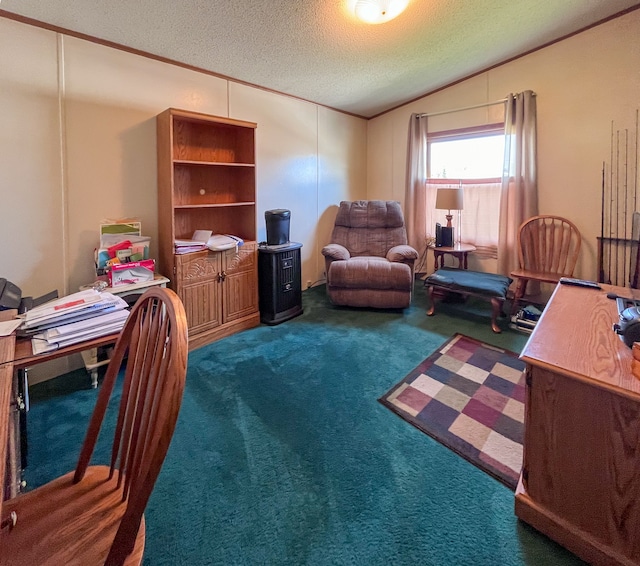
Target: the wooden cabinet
(579, 483)
(207, 181)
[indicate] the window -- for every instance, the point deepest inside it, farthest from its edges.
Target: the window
(471, 158)
(467, 158)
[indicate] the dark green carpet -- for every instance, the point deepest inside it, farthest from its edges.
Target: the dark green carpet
(282, 454)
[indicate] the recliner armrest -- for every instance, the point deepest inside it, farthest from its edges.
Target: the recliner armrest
(402, 253)
(335, 251)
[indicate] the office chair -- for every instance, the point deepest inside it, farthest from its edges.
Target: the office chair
(94, 515)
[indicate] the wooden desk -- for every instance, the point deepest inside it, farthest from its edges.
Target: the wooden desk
(459, 251)
(15, 355)
(6, 383)
(24, 358)
(580, 483)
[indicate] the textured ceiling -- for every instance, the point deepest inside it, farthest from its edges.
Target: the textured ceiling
(316, 50)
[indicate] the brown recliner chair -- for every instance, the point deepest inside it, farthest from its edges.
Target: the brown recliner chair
(369, 263)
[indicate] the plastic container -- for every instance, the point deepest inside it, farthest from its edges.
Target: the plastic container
(278, 223)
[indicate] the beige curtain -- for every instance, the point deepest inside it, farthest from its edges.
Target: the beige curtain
(519, 195)
(481, 217)
(478, 221)
(415, 203)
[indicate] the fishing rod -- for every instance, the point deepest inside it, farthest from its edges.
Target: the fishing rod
(617, 200)
(610, 206)
(601, 246)
(624, 247)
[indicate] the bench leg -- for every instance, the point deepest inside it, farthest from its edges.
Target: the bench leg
(496, 309)
(497, 305)
(432, 308)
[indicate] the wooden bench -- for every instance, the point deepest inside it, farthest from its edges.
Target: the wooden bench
(488, 286)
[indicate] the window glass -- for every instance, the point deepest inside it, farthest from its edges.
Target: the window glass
(471, 158)
(478, 157)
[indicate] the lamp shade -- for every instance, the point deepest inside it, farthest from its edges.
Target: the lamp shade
(450, 199)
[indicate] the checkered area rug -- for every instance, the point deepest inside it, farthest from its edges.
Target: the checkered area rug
(470, 397)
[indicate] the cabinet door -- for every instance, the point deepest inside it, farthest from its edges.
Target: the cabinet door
(198, 286)
(241, 282)
(581, 457)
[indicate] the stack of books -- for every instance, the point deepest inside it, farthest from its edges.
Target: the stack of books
(525, 319)
(75, 318)
(188, 246)
(197, 242)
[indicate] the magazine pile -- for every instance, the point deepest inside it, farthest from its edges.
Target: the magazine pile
(74, 318)
(525, 319)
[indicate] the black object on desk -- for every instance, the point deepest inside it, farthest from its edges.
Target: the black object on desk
(280, 285)
(10, 295)
(579, 282)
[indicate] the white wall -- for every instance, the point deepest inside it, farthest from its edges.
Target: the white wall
(78, 145)
(31, 196)
(309, 159)
(582, 83)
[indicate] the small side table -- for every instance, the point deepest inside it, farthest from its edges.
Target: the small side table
(459, 251)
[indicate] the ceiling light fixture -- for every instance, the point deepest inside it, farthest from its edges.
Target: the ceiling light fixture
(378, 11)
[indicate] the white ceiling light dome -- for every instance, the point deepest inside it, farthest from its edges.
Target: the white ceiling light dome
(379, 11)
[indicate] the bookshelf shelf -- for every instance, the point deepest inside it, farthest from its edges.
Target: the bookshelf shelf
(216, 205)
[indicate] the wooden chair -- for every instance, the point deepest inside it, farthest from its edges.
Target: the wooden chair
(95, 515)
(548, 248)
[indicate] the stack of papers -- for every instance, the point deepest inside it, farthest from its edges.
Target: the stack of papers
(75, 318)
(197, 242)
(526, 319)
(205, 239)
(188, 246)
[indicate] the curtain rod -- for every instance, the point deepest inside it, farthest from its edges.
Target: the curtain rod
(465, 108)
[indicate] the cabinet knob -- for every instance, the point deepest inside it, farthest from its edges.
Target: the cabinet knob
(222, 276)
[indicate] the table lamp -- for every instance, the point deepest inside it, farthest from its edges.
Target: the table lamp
(449, 199)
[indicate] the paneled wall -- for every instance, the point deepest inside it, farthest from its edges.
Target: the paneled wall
(583, 84)
(77, 146)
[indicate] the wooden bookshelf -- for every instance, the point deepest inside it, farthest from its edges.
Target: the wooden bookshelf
(207, 181)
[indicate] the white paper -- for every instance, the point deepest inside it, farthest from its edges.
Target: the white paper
(106, 302)
(39, 344)
(105, 330)
(68, 303)
(59, 332)
(221, 242)
(9, 326)
(202, 235)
